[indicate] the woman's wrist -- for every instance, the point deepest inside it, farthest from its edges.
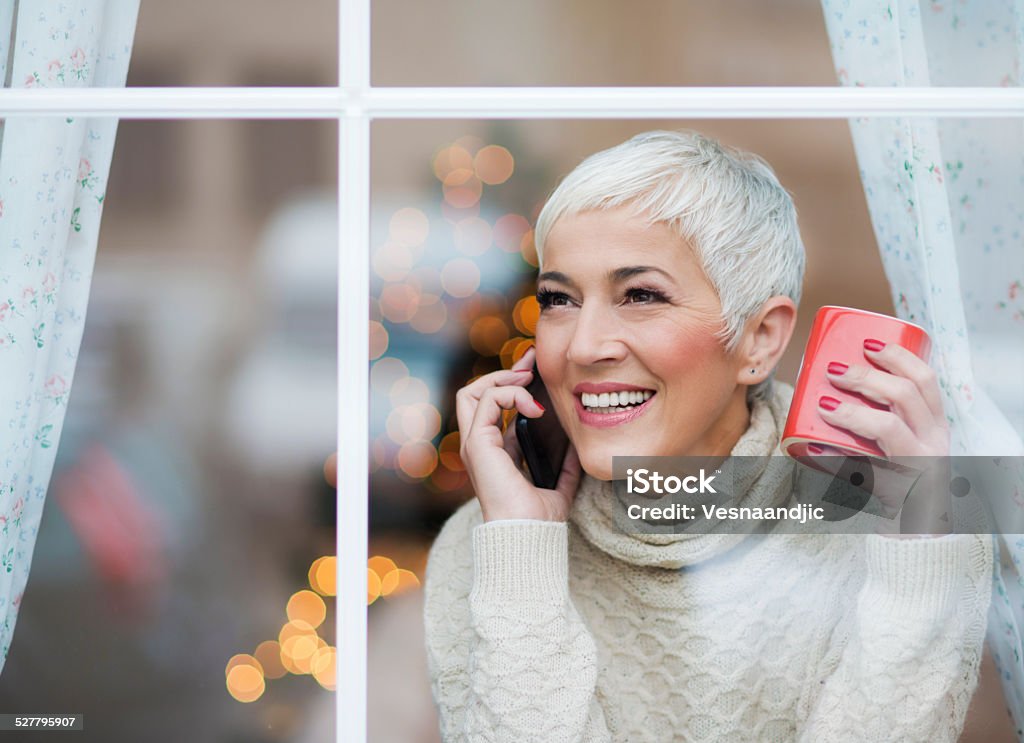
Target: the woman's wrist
(519, 560)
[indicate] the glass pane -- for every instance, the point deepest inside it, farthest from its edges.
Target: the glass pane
(188, 503)
(452, 283)
(605, 42)
(235, 42)
(452, 280)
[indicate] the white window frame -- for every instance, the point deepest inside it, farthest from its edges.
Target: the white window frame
(354, 104)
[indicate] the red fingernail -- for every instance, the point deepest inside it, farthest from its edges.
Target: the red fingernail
(837, 368)
(538, 405)
(815, 449)
(872, 345)
(829, 403)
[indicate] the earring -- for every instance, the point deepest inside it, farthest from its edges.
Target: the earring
(752, 371)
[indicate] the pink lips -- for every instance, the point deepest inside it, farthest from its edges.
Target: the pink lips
(607, 420)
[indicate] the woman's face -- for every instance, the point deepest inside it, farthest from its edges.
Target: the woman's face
(626, 306)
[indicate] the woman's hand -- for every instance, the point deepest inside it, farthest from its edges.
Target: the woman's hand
(492, 458)
(913, 431)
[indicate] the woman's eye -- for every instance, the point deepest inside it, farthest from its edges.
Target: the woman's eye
(643, 296)
(546, 298)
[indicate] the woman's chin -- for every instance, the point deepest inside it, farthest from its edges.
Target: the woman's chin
(599, 467)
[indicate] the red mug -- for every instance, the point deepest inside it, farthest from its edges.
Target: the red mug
(838, 334)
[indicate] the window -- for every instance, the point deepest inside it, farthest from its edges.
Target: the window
(354, 103)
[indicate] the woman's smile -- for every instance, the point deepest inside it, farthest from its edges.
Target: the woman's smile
(607, 409)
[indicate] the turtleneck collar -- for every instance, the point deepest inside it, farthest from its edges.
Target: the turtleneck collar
(593, 508)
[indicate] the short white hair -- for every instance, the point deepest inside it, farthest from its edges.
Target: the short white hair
(727, 204)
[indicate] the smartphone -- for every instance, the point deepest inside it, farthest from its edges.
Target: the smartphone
(542, 440)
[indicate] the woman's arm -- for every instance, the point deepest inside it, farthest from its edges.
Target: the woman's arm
(510, 658)
(906, 666)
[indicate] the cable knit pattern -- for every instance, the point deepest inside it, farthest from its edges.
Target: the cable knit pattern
(545, 631)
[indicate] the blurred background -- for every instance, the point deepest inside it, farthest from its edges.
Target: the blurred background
(182, 582)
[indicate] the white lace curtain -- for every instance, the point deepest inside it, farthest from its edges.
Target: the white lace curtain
(946, 198)
(53, 176)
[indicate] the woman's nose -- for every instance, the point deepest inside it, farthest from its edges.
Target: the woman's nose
(596, 337)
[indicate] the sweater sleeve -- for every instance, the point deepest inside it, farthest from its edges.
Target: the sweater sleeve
(524, 665)
(906, 665)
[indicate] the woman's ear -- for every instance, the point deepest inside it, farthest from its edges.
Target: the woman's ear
(765, 339)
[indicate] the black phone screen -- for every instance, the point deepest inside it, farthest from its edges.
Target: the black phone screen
(542, 440)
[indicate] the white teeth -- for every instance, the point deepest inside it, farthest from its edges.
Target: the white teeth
(610, 402)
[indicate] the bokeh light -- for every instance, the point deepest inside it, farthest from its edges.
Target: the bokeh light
(493, 164)
(431, 315)
(408, 391)
(295, 628)
(398, 581)
(462, 189)
(308, 607)
(245, 683)
(373, 586)
(297, 652)
(324, 666)
(417, 459)
(417, 422)
(378, 340)
(323, 575)
(473, 236)
(448, 451)
(268, 653)
(507, 350)
(525, 315)
(392, 262)
(409, 227)
(451, 158)
(487, 335)
(381, 565)
(385, 372)
(242, 659)
(322, 659)
(420, 421)
(460, 277)
(509, 231)
(399, 302)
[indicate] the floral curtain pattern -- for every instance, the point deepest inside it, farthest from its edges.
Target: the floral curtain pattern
(53, 176)
(945, 200)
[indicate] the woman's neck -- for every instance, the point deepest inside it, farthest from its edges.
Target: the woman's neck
(721, 438)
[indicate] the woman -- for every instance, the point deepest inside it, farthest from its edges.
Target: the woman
(672, 267)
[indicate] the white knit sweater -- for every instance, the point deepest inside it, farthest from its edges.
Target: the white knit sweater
(546, 631)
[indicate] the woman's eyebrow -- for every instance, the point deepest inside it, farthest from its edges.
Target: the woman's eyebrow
(615, 275)
(621, 274)
(556, 276)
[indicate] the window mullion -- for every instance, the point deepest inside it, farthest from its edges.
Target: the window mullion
(353, 369)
